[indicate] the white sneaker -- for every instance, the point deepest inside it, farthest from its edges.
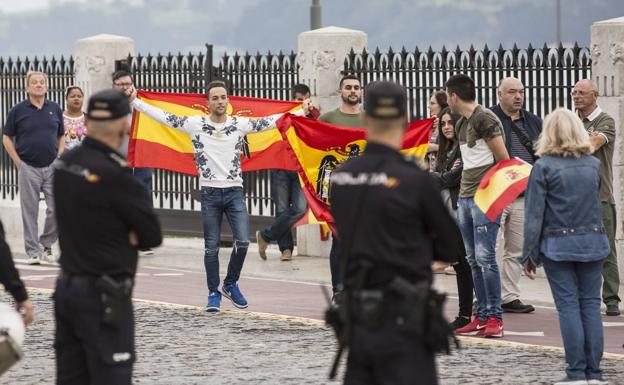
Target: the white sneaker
(36, 260)
(48, 256)
(597, 382)
(567, 381)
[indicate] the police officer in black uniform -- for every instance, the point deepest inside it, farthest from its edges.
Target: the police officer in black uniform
(392, 224)
(104, 215)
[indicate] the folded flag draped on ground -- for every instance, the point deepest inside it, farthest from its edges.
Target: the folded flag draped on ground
(317, 148)
(157, 146)
(501, 185)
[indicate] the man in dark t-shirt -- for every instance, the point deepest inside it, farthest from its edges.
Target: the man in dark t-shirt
(348, 114)
(33, 137)
(521, 129)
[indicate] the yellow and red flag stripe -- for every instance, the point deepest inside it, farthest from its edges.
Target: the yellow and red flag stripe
(501, 185)
(155, 145)
(317, 148)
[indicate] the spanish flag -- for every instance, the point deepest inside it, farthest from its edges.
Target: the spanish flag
(501, 185)
(155, 145)
(317, 148)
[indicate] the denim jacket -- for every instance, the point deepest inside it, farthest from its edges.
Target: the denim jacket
(563, 215)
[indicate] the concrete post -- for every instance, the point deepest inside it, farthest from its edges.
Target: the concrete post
(607, 51)
(95, 60)
(321, 55)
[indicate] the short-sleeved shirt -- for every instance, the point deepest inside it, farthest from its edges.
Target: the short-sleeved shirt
(601, 122)
(473, 133)
(339, 118)
(36, 131)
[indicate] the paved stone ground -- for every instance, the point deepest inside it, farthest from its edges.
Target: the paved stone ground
(179, 345)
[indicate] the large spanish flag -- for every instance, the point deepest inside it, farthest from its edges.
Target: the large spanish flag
(317, 148)
(155, 145)
(501, 185)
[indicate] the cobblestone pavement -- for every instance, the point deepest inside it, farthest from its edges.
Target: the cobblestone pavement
(178, 345)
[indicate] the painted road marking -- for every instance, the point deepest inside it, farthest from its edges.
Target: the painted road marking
(524, 334)
(612, 324)
(167, 274)
(38, 277)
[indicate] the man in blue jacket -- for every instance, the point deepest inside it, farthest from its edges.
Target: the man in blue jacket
(522, 129)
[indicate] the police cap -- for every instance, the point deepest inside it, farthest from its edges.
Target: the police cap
(108, 105)
(385, 100)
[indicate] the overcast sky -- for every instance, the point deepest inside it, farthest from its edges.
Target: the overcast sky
(51, 27)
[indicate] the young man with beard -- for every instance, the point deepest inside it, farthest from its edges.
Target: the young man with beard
(348, 114)
(217, 140)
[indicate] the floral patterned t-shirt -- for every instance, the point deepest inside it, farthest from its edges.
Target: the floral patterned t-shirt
(75, 130)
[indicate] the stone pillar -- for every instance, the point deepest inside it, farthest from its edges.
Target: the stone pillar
(95, 60)
(321, 55)
(607, 52)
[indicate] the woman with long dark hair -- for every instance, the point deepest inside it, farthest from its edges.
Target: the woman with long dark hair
(437, 103)
(448, 175)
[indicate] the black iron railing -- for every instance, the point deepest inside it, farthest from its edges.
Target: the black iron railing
(547, 73)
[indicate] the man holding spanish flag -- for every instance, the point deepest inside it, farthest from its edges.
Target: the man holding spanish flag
(217, 144)
(482, 145)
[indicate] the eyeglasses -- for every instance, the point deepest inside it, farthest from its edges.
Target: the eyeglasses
(123, 84)
(580, 94)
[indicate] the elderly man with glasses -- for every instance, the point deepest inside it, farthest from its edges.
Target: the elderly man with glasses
(601, 128)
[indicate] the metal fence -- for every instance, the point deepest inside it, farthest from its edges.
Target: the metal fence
(13, 72)
(547, 73)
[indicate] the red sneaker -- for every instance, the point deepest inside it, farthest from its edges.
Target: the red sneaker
(472, 328)
(494, 328)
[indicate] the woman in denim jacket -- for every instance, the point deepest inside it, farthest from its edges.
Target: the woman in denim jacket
(563, 230)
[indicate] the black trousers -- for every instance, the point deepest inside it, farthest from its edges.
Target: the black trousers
(89, 351)
(334, 264)
(388, 356)
(465, 286)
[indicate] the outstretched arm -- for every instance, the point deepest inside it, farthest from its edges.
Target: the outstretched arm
(182, 123)
(268, 122)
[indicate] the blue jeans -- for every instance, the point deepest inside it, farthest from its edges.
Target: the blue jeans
(479, 235)
(290, 205)
(575, 287)
(144, 175)
(215, 202)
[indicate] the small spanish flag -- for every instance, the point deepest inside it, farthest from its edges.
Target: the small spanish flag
(501, 185)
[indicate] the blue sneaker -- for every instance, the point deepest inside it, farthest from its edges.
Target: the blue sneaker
(214, 302)
(233, 293)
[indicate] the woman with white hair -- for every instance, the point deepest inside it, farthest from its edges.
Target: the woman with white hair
(563, 230)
